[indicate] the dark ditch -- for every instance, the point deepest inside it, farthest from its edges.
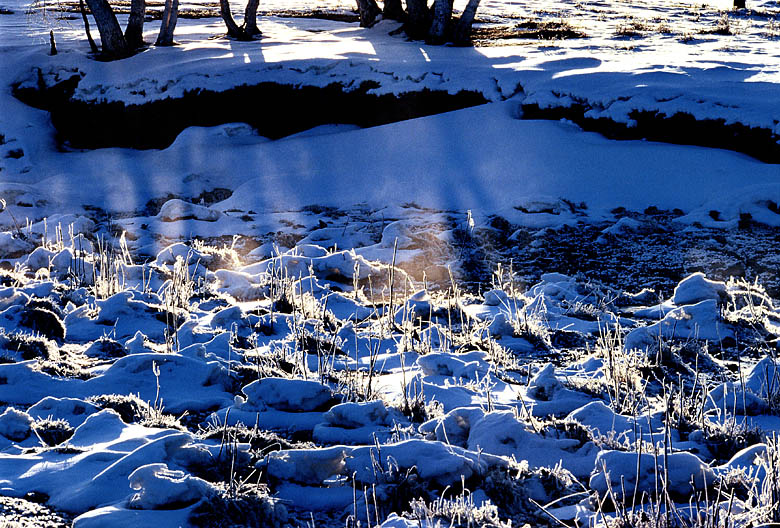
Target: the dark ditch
(278, 110)
(680, 129)
(274, 110)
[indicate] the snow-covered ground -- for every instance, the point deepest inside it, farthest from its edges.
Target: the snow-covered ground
(464, 160)
(213, 333)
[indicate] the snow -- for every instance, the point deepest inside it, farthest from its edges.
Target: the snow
(281, 248)
(696, 321)
(544, 384)
(205, 382)
(492, 146)
(72, 410)
(751, 395)
(357, 414)
(603, 421)
(121, 517)
(15, 424)
(97, 474)
(682, 473)
(176, 209)
(286, 394)
(489, 417)
(500, 433)
(696, 288)
(158, 487)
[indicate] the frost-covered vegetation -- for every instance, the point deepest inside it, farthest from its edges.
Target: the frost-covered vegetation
(317, 386)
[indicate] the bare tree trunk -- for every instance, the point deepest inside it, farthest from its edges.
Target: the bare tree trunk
(250, 18)
(92, 44)
(111, 37)
(233, 29)
(53, 44)
(170, 16)
(419, 19)
(134, 32)
(393, 10)
(463, 29)
(368, 12)
(442, 14)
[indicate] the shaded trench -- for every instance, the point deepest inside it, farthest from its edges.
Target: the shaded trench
(680, 129)
(278, 110)
(274, 110)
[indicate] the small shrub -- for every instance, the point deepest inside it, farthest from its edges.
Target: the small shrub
(53, 432)
(31, 347)
(43, 321)
(130, 408)
(722, 26)
(725, 440)
(259, 440)
(460, 512)
(215, 258)
(513, 489)
(623, 380)
(105, 348)
(249, 505)
(394, 490)
(557, 428)
(67, 362)
(45, 304)
(632, 27)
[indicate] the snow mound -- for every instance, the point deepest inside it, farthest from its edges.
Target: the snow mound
(440, 364)
(177, 209)
(696, 288)
(544, 384)
(158, 487)
(290, 395)
(696, 321)
(603, 421)
(15, 425)
(357, 414)
(454, 427)
(618, 470)
(761, 386)
(72, 410)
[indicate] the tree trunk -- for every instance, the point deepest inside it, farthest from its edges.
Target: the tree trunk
(134, 32)
(463, 29)
(92, 44)
(233, 29)
(368, 12)
(419, 19)
(250, 18)
(393, 10)
(442, 14)
(111, 37)
(170, 16)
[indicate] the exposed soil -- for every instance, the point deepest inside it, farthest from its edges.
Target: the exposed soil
(313, 13)
(657, 259)
(154, 11)
(494, 35)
